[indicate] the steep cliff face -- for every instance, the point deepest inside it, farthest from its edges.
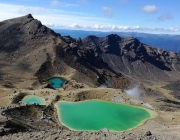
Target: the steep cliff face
(131, 57)
(24, 46)
(30, 50)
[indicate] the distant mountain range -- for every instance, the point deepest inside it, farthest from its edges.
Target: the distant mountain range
(163, 41)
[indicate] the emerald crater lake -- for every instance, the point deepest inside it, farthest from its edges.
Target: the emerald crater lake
(94, 115)
(56, 82)
(32, 99)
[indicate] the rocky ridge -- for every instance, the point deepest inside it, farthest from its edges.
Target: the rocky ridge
(131, 57)
(32, 49)
(30, 53)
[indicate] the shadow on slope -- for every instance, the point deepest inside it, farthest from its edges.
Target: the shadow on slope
(10, 38)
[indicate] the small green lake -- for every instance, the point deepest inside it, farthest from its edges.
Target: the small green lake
(32, 99)
(94, 115)
(56, 82)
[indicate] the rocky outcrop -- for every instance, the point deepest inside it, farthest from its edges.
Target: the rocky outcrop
(72, 84)
(30, 50)
(131, 57)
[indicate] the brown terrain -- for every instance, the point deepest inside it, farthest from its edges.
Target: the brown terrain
(95, 68)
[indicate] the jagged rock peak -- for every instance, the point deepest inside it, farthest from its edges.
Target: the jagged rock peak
(111, 36)
(25, 17)
(115, 36)
(91, 37)
(29, 16)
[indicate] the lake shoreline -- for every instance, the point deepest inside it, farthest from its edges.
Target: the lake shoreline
(37, 100)
(152, 114)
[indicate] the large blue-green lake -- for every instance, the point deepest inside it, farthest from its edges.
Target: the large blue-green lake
(32, 99)
(56, 82)
(94, 115)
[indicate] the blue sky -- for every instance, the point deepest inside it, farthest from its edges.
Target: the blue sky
(153, 16)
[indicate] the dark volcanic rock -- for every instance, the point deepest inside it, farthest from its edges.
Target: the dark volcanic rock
(148, 133)
(175, 88)
(131, 57)
(15, 32)
(18, 98)
(29, 118)
(35, 50)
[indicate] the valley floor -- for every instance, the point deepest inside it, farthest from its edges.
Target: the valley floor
(166, 126)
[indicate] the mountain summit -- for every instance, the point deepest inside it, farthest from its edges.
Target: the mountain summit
(135, 59)
(32, 50)
(124, 70)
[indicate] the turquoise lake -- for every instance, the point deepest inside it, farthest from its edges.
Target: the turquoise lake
(94, 115)
(32, 99)
(56, 82)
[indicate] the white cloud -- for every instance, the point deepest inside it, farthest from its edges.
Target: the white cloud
(49, 15)
(55, 3)
(74, 25)
(108, 12)
(164, 17)
(115, 28)
(74, 20)
(150, 9)
(32, 10)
